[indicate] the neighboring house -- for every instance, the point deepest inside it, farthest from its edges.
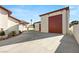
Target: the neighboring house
(4, 13)
(56, 21)
(30, 27)
(23, 25)
(13, 24)
(37, 26)
(8, 23)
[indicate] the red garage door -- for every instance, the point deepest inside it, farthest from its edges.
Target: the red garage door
(55, 24)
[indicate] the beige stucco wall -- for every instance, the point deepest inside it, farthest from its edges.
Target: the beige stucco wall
(12, 25)
(65, 15)
(12, 22)
(3, 19)
(22, 27)
(25, 27)
(71, 30)
(76, 32)
(44, 23)
(37, 26)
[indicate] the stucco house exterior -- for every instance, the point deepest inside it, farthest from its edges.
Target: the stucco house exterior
(23, 25)
(55, 21)
(9, 23)
(37, 26)
(30, 27)
(4, 13)
(13, 25)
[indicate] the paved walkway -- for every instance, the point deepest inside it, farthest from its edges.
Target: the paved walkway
(36, 42)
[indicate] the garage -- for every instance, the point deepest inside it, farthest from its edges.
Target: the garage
(55, 24)
(55, 21)
(37, 26)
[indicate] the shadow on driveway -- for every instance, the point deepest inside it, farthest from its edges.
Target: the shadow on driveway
(68, 45)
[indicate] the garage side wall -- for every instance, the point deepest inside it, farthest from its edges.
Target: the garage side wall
(37, 27)
(64, 22)
(67, 23)
(44, 21)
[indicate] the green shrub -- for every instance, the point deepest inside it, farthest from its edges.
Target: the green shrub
(20, 32)
(73, 23)
(2, 33)
(13, 33)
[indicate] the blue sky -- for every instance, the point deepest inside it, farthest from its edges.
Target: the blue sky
(28, 12)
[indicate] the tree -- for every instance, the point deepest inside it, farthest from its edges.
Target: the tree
(73, 23)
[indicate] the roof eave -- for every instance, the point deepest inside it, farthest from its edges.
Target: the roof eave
(9, 12)
(66, 8)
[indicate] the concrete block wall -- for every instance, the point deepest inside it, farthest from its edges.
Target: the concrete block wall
(76, 32)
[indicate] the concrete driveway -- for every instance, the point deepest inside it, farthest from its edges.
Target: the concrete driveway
(37, 42)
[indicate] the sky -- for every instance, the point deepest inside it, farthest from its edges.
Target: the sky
(28, 12)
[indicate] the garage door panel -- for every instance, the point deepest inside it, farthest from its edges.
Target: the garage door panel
(52, 24)
(55, 24)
